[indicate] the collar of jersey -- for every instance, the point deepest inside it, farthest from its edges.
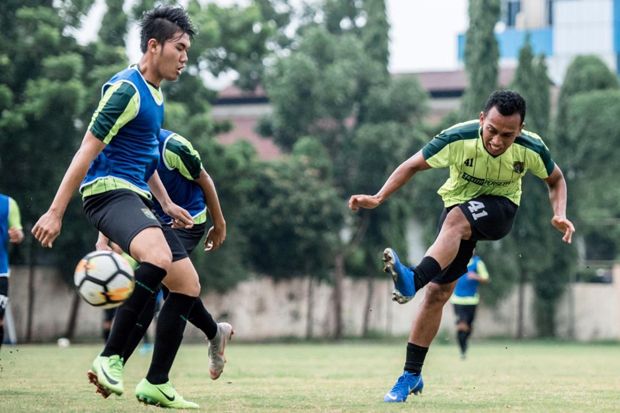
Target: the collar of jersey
(156, 92)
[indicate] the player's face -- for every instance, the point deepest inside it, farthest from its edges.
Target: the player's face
(172, 56)
(499, 131)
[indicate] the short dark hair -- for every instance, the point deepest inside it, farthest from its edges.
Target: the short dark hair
(507, 102)
(162, 23)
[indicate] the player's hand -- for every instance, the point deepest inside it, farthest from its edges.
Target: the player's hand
(102, 246)
(16, 235)
(215, 238)
(565, 226)
(363, 201)
(180, 217)
(47, 228)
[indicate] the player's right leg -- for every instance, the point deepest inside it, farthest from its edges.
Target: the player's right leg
(126, 218)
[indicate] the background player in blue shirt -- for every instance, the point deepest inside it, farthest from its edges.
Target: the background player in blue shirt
(10, 232)
(465, 299)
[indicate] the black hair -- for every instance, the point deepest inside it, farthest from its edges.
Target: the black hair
(162, 23)
(507, 102)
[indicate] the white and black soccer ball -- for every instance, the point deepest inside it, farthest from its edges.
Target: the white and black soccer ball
(104, 279)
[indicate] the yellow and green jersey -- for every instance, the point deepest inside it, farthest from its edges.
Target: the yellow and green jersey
(475, 172)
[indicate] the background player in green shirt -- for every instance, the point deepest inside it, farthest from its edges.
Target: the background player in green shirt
(487, 158)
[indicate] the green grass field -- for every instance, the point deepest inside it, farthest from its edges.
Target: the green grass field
(347, 377)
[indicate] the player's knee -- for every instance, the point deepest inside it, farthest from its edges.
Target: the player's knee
(194, 290)
(462, 326)
(438, 294)
(183, 284)
(160, 257)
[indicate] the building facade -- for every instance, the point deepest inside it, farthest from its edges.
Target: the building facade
(559, 29)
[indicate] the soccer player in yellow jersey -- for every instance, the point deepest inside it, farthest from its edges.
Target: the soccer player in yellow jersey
(487, 158)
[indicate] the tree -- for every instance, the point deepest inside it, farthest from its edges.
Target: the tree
(532, 82)
(240, 38)
(334, 90)
(585, 74)
(593, 117)
(42, 99)
(481, 55)
(533, 239)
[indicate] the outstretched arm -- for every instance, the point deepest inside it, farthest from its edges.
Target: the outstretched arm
(397, 179)
(557, 198)
(47, 228)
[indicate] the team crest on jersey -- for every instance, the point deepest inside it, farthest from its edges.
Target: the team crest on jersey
(148, 213)
(518, 167)
(469, 162)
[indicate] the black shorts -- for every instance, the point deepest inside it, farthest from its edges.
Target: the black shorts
(122, 214)
(491, 218)
(191, 237)
(465, 313)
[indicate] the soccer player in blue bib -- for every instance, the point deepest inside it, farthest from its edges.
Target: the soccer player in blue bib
(190, 186)
(10, 232)
(487, 158)
(115, 170)
(465, 299)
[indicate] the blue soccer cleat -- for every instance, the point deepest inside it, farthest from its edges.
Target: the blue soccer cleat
(404, 286)
(405, 385)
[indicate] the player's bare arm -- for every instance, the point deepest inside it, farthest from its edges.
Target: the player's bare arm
(217, 233)
(557, 198)
(47, 228)
(397, 179)
(180, 217)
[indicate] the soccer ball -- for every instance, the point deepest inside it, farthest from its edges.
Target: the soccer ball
(104, 279)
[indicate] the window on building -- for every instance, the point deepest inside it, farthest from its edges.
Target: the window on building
(550, 12)
(510, 9)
